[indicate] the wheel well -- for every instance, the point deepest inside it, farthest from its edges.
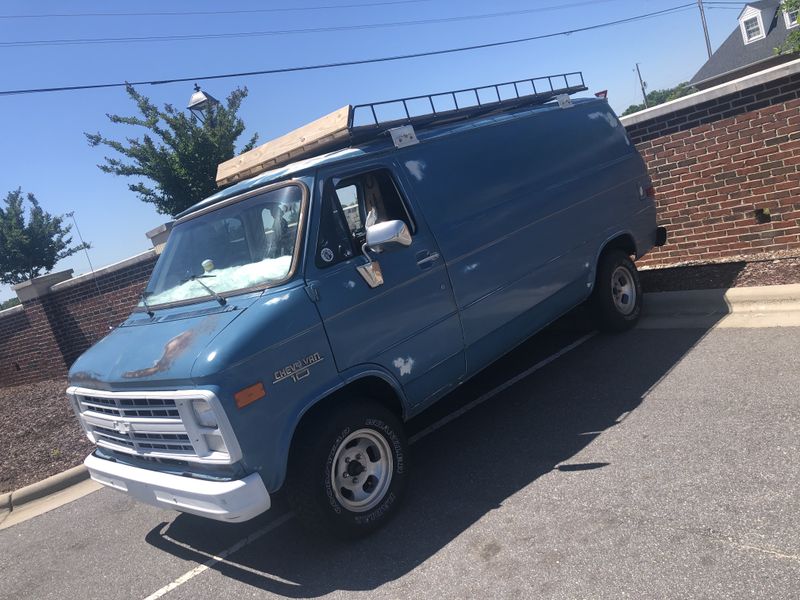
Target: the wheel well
(622, 242)
(375, 388)
(372, 387)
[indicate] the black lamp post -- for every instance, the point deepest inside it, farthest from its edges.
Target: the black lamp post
(201, 103)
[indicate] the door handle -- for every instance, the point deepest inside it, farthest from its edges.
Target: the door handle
(425, 258)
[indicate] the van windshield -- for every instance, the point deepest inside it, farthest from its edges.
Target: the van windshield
(244, 245)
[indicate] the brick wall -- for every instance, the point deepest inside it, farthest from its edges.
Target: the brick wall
(43, 337)
(715, 163)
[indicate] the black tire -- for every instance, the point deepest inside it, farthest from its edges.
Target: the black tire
(311, 484)
(612, 307)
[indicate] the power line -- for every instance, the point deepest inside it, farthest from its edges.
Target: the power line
(277, 32)
(214, 12)
(640, 17)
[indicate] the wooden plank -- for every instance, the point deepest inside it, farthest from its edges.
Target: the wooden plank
(300, 142)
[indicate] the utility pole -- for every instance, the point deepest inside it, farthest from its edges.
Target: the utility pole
(642, 84)
(705, 26)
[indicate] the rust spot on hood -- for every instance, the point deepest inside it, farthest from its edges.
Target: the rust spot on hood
(173, 349)
(85, 377)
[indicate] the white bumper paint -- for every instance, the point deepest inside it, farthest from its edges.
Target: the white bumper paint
(231, 501)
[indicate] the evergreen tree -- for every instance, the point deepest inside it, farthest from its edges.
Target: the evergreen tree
(28, 248)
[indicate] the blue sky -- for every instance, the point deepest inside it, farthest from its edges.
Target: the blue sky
(44, 151)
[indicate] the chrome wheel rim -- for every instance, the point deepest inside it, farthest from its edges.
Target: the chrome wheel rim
(362, 470)
(623, 290)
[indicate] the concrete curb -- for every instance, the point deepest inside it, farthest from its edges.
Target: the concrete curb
(761, 306)
(11, 500)
(760, 299)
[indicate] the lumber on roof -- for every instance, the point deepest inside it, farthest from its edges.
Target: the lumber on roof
(307, 140)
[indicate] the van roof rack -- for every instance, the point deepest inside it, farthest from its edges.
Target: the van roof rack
(434, 109)
(363, 122)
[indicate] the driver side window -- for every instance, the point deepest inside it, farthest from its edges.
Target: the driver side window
(346, 204)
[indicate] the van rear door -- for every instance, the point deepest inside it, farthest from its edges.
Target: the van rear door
(409, 325)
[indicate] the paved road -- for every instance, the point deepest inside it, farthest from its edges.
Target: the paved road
(654, 464)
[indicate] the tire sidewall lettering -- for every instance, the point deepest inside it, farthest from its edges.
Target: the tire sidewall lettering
(334, 504)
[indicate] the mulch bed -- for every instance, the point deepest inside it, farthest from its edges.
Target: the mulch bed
(768, 271)
(39, 436)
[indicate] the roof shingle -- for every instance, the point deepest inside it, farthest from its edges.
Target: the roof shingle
(734, 54)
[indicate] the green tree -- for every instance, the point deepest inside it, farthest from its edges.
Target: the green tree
(9, 303)
(28, 248)
(657, 97)
(792, 42)
(178, 154)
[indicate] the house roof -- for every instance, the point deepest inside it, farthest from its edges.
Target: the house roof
(734, 54)
(760, 5)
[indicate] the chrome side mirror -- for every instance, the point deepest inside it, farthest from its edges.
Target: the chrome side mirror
(387, 234)
(380, 236)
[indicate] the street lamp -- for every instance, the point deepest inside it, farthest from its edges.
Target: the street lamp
(201, 103)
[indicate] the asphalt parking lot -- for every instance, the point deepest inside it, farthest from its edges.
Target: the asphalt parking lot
(653, 464)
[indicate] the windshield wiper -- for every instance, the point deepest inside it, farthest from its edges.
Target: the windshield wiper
(147, 308)
(217, 297)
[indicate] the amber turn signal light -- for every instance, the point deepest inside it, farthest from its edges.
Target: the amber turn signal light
(249, 394)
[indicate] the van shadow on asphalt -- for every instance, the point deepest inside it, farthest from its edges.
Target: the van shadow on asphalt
(460, 472)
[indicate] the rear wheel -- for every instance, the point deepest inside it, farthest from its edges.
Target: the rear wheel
(348, 469)
(616, 302)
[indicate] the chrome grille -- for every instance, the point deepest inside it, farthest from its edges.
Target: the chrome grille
(146, 426)
(130, 407)
(158, 425)
(144, 442)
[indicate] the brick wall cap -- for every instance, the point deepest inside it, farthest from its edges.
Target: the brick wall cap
(11, 311)
(158, 235)
(107, 270)
(713, 93)
(39, 286)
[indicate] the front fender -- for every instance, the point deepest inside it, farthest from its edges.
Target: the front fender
(344, 379)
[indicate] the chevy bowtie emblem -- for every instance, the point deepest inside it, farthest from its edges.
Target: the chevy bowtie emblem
(299, 369)
(122, 427)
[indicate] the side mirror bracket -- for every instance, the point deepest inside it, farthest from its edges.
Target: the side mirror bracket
(381, 236)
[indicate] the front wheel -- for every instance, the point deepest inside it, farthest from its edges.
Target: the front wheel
(616, 301)
(348, 470)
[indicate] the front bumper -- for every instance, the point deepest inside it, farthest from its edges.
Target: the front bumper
(230, 501)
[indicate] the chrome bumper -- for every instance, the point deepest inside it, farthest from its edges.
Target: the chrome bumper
(231, 501)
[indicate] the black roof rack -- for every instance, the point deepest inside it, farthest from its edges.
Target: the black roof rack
(444, 107)
(366, 122)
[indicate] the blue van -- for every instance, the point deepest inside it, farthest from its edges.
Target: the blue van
(296, 319)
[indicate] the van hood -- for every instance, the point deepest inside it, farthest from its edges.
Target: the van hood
(154, 350)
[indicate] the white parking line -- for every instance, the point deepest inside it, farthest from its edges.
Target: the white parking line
(222, 556)
(230, 563)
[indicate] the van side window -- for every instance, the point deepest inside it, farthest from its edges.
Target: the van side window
(345, 206)
(348, 199)
(333, 242)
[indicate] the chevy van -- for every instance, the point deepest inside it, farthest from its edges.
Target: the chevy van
(351, 276)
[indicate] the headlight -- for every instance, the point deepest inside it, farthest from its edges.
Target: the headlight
(204, 413)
